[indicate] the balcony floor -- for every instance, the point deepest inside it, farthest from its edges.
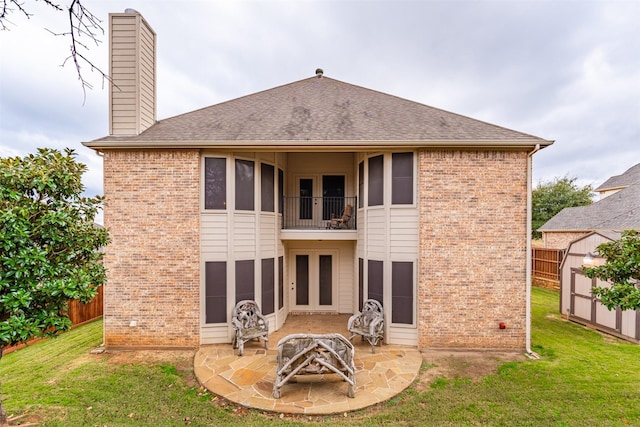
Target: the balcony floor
(320, 234)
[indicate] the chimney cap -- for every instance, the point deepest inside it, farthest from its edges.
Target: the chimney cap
(319, 72)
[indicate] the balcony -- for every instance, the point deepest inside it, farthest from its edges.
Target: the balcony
(318, 217)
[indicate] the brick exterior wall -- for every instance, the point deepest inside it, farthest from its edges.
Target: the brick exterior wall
(561, 240)
(542, 282)
(472, 264)
(153, 276)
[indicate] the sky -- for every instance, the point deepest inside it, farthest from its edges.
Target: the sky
(563, 70)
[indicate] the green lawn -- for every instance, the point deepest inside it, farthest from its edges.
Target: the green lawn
(581, 379)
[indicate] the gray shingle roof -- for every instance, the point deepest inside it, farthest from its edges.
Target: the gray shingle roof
(620, 211)
(320, 111)
(630, 176)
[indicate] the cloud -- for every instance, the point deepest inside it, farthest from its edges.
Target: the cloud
(561, 70)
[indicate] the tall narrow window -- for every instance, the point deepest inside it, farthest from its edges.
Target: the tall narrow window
(376, 181)
(216, 292)
(325, 280)
(280, 283)
(215, 183)
(402, 292)
(267, 189)
(375, 270)
(332, 196)
(245, 282)
(361, 184)
(360, 282)
(268, 285)
(402, 178)
(280, 190)
(245, 185)
(306, 198)
(302, 279)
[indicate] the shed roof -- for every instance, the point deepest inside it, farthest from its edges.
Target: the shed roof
(320, 111)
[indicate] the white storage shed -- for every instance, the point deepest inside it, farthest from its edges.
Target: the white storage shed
(576, 302)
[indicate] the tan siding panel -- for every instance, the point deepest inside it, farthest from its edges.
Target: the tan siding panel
(218, 334)
(124, 70)
(268, 236)
(214, 236)
(123, 95)
(244, 236)
(346, 279)
(376, 234)
(402, 336)
(403, 238)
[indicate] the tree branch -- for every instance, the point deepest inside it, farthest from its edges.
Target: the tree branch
(82, 23)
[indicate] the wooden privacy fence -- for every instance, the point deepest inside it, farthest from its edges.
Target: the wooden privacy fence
(546, 262)
(80, 313)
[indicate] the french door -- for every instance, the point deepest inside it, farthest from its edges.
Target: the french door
(320, 198)
(314, 280)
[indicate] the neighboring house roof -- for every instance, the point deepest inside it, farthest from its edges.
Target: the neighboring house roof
(620, 211)
(323, 112)
(631, 176)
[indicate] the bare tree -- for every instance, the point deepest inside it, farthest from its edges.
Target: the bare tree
(84, 29)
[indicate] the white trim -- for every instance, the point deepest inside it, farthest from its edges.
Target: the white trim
(316, 146)
(528, 255)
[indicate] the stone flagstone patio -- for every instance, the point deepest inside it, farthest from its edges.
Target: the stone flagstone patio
(248, 380)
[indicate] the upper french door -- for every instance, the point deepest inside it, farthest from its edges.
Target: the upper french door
(320, 198)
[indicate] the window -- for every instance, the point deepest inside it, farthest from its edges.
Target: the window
(267, 193)
(360, 282)
(215, 183)
(245, 280)
(280, 190)
(376, 181)
(268, 285)
(325, 279)
(302, 279)
(402, 292)
(306, 199)
(332, 196)
(245, 185)
(402, 178)
(280, 283)
(375, 270)
(361, 184)
(216, 292)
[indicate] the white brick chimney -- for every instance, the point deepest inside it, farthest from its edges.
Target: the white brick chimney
(132, 67)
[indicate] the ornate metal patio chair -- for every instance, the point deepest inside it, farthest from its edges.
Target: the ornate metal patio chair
(342, 221)
(369, 323)
(307, 354)
(248, 324)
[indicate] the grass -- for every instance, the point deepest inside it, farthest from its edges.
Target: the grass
(582, 378)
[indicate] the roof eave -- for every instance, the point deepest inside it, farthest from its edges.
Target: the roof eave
(334, 145)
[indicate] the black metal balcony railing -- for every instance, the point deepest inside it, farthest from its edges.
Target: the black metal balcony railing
(314, 213)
